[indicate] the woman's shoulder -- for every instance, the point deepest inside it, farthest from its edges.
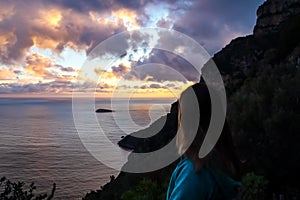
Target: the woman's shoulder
(205, 182)
(187, 166)
(187, 181)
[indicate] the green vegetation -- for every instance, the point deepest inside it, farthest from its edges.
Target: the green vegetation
(254, 187)
(20, 191)
(265, 118)
(147, 189)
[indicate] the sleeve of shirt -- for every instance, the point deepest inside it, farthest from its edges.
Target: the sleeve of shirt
(185, 184)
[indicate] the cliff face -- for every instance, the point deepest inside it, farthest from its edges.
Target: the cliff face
(275, 37)
(272, 15)
(245, 64)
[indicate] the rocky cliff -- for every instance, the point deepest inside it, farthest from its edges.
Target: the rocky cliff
(272, 15)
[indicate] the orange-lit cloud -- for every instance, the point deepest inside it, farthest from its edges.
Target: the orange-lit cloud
(38, 65)
(48, 27)
(6, 74)
(44, 43)
(7, 38)
(6, 11)
(128, 17)
(50, 17)
(40, 68)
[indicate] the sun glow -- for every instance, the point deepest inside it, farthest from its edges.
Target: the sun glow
(51, 17)
(128, 17)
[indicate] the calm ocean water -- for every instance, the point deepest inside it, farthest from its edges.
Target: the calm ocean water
(39, 142)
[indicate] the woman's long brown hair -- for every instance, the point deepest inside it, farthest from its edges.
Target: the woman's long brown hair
(223, 156)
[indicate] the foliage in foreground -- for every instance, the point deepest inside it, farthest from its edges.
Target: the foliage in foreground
(20, 191)
(265, 117)
(254, 187)
(147, 190)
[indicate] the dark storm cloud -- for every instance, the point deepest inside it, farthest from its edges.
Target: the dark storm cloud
(213, 23)
(51, 87)
(81, 6)
(163, 66)
(133, 4)
(98, 5)
(152, 86)
(56, 86)
(17, 72)
(65, 69)
(120, 70)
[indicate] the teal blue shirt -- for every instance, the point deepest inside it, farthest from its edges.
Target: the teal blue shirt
(205, 184)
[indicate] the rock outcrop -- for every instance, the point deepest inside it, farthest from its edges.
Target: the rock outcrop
(272, 15)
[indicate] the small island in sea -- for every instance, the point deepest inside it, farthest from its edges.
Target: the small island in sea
(103, 110)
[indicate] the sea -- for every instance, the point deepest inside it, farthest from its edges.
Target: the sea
(39, 141)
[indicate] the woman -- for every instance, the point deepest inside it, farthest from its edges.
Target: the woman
(216, 175)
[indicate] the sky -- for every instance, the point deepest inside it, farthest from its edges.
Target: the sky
(45, 43)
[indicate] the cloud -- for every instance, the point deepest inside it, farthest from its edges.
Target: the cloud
(50, 87)
(49, 26)
(120, 70)
(60, 24)
(66, 69)
(57, 24)
(80, 25)
(170, 85)
(152, 86)
(155, 86)
(159, 86)
(38, 64)
(96, 5)
(164, 66)
(7, 74)
(57, 86)
(104, 86)
(6, 10)
(212, 22)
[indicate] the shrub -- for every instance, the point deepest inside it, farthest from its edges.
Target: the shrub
(147, 190)
(20, 191)
(254, 187)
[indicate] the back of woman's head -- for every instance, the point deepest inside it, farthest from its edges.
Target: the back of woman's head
(194, 114)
